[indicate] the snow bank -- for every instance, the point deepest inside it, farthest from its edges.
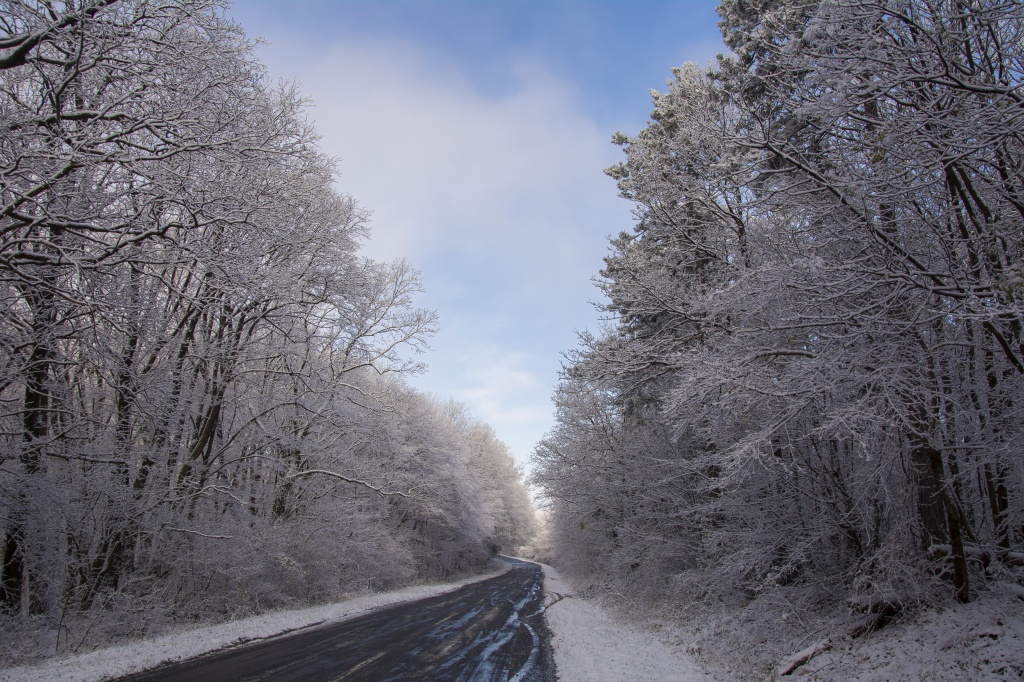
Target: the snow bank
(983, 640)
(592, 645)
(135, 657)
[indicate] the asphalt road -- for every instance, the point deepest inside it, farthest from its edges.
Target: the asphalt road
(493, 630)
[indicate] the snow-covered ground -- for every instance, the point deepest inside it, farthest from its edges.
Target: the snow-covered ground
(106, 664)
(982, 641)
(592, 645)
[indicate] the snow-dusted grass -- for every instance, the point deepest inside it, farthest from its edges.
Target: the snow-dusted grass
(106, 664)
(980, 641)
(592, 644)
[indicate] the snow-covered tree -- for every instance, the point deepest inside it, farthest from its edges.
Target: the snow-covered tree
(816, 321)
(197, 367)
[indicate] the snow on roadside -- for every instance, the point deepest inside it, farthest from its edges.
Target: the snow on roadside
(982, 640)
(592, 645)
(114, 662)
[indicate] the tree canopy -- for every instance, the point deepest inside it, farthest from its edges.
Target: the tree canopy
(811, 379)
(198, 369)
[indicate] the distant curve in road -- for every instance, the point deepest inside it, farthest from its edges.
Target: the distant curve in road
(489, 631)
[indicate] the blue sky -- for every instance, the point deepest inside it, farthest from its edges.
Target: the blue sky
(476, 134)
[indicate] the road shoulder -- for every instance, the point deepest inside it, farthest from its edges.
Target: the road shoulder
(592, 644)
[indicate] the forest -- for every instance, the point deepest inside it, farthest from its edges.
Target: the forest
(808, 392)
(203, 401)
(804, 405)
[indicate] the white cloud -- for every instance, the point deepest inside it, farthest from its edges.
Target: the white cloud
(498, 198)
(447, 168)
(498, 380)
(507, 394)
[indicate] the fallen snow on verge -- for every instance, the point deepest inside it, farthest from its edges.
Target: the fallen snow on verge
(592, 645)
(982, 640)
(126, 659)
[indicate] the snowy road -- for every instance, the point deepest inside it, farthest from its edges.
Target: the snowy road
(491, 630)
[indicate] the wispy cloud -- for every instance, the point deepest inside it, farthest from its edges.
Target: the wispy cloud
(497, 196)
(503, 388)
(449, 169)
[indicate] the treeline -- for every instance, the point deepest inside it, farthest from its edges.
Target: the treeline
(813, 376)
(202, 410)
